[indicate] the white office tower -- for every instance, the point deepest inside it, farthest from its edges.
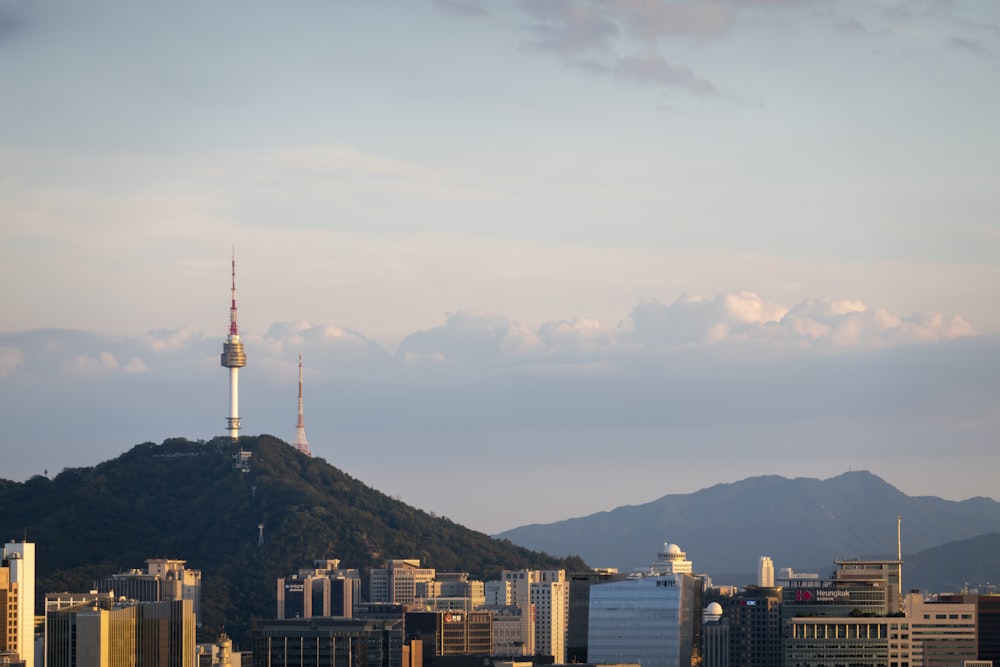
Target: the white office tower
(551, 602)
(547, 591)
(19, 559)
(765, 572)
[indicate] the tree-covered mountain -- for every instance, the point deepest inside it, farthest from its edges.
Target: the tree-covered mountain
(801, 523)
(187, 500)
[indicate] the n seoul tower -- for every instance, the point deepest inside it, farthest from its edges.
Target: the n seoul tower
(234, 359)
(301, 443)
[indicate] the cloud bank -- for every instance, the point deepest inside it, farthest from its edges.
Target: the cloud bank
(733, 374)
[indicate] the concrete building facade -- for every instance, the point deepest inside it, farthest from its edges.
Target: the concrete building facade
(18, 564)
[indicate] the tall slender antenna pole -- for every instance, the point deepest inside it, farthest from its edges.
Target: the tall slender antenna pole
(899, 553)
(301, 443)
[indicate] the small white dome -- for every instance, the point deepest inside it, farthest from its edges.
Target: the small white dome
(714, 609)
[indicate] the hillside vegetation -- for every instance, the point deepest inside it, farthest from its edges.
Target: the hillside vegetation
(186, 500)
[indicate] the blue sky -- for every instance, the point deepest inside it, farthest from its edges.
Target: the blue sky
(584, 236)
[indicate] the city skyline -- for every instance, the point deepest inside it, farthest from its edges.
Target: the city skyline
(590, 240)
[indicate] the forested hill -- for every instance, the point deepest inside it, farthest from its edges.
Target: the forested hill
(186, 500)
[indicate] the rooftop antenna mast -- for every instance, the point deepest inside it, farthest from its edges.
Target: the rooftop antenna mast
(301, 443)
(899, 554)
(233, 358)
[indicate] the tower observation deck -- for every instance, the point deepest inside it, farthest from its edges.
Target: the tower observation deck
(233, 358)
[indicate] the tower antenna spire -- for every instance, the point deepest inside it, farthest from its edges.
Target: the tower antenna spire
(233, 328)
(301, 443)
(233, 358)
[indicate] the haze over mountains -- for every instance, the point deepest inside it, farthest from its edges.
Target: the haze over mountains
(186, 500)
(801, 523)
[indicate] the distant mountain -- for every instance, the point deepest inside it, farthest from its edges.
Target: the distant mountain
(950, 568)
(186, 500)
(801, 523)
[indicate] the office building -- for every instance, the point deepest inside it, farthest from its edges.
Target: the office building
(765, 572)
(715, 644)
(450, 633)
(829, 621)
(650, 620)
(17, 583)
(397, 581)
(548, 592)
(323, 590)
(987, 621)
(128, 633)
(328, 642)
(755, 627)
(451, 591)
(941, 633)
(513, 633)
(579, 608)
(164, 580)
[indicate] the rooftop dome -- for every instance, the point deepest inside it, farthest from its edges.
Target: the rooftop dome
(671, 548)
(714, 609)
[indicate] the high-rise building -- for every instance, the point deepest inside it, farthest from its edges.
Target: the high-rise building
(548, 592)
(579, 609)
(513, 634)
(450, 633)
(755, 627)
(397, 581)
(765, 572)
(653, 618)
(941, 633)
(451, 591)
(987, 621)
(649, 620)
(324, 590)
(164, 580)
(127, 633)
(233, 358)
(849, 619)
(18, 565)
(9, 645)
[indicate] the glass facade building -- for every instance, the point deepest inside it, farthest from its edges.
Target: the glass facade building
(649, 620)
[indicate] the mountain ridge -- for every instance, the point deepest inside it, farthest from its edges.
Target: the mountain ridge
(801, 522)
(186, 500)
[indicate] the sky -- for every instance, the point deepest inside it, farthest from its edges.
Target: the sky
(542, 258)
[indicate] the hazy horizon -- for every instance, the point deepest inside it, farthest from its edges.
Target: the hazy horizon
(541, 259)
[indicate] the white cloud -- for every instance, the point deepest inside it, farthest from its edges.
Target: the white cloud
(173, 340)
(104, 362)
(135, 365)
(10, 358)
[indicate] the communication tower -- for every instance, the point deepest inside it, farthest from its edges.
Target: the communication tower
(234, 359)
(301, 443)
